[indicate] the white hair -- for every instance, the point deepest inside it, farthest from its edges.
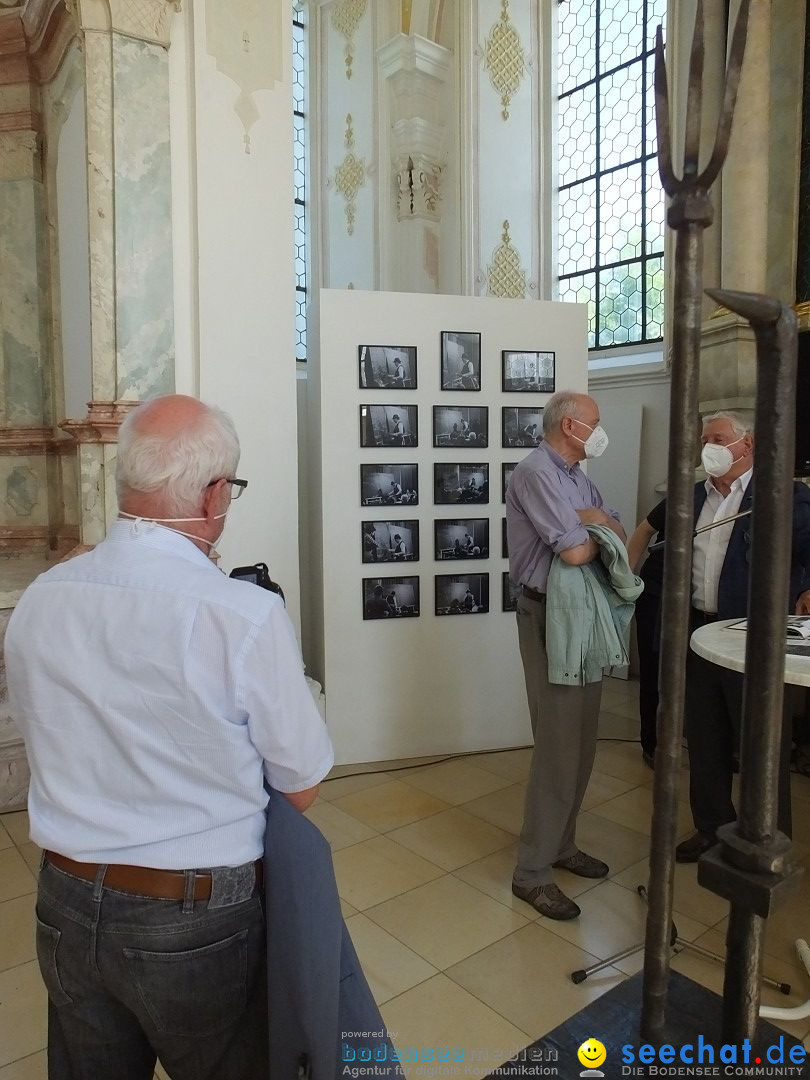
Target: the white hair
(563, 403)
(180, 464)
(741, 420)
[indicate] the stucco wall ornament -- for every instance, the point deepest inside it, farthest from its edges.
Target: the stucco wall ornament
(417, 188)
(504, 276)
(350, 176)
(504, 58)
(346, 16)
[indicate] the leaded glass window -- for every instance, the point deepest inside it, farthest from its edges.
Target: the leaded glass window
(300, 179)
(610, 207)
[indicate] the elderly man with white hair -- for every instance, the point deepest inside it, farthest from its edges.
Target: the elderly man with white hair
(720, 568)
(155, 696)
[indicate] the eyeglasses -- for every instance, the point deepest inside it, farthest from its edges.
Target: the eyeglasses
(237, 486)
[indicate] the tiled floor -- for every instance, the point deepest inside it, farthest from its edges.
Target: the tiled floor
(424, 858)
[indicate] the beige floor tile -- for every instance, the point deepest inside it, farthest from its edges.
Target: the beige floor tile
(23, 1012)
(445, 920)
(502, 808)
(439, 1013)
(602, 787)
(378, 869)
(527, 977)
(32, 855)
(339, 828)
(493, 876)
(455, 781)
(789, 921)
(346, 910)
(347, 785)
(612, 919)
(624, 761)
(390, 967)
(513, 764)
(33, 1067)
(618, 846)
(5, 839)
(17, 943)
(15, 877)
(390, 806)
(691, 899)
(160, 1073)
(633, 809)
(16, 825)
(452, 838)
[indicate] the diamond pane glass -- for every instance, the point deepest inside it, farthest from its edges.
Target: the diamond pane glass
(621, 33)
(299, 180)
(576, 43)
(576, 227)
(651, 132)
(582, 290)
(620, 305)
(300, 326)
(576, 135)
(619, 113)
(655, 297)
(656, 16)
(620, 215)
(656, 209)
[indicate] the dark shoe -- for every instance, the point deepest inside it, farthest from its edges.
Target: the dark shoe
(583, 866)
(549, 900)
(648, 759)
(690, 850)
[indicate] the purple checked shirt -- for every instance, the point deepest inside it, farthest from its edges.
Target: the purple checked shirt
(542, 500)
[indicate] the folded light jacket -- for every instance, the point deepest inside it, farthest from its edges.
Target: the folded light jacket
(588, 612)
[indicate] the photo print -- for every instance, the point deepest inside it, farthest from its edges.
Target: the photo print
(460, 483)
(390, 541)
(507, 468)
(390, 598)
(389, 485)
(388, 425)
(504, 542)
(461, 360)
(527, 372)
(465, 538)
(455, 425)
(462, 594)
(522, 427)
(511, 592)
(387, 367)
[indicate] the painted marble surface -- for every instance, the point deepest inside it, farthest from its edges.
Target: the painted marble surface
(23, 491)
(143, 241)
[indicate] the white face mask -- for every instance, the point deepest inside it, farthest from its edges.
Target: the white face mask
(717, 460)
(596, 443)
(213, 554)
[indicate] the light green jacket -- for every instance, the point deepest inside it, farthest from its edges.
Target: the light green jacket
(588, 612)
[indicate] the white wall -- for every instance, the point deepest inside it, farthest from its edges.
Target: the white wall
(234, 281)
(429, 684)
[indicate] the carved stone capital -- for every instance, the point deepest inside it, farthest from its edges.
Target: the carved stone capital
(146, 20)
(417, 182)
(20, 158)
(102, 422)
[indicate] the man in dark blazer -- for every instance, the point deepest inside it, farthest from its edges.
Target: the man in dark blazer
(720, 568)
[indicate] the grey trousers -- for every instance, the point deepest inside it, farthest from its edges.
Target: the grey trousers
(564, 721)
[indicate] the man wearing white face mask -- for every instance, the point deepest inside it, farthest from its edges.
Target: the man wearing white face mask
(155, 696)
(720, 568)
(549, 503)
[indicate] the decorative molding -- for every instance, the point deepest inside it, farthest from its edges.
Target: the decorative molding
(417, 184)
(102, 422)
(505, 59)
(143, 20)
(346, 16)
(642, 375)
(803, 315)
(505, 278)
(15, 442)
(350, 176)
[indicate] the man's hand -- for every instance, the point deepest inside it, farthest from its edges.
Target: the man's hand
(803, 603)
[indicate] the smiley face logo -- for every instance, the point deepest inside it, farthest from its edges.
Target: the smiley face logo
(592, 1054)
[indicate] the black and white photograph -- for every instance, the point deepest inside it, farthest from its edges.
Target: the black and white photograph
(527, 372)
(464, 538)
(461, 360)
(511, 592)
(390, 541)
(388, 425)
(389, 485)
(457, 483)
(390, 598)
(522, 427)
(504, 543)
(455, 425)
(387, 367)
(507, 468)
(462, 594)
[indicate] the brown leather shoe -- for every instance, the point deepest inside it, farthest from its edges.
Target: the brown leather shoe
(690, 850)
(583, 866)
(549, 900)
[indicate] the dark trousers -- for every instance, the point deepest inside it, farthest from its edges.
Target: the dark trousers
(713, 715)
(131, 979)
(648, 635)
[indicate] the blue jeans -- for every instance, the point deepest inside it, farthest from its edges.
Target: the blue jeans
(131, 979)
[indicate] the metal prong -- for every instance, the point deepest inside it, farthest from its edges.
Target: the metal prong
(691, 149)
(669, 181)
(733, 70)
(752, 306)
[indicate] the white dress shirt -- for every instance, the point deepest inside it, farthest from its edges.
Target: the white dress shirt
(709, 549)
(154, 695)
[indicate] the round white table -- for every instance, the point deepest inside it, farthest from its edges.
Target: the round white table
(725, 647)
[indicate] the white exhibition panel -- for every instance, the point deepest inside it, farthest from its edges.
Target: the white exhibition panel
(409, 687)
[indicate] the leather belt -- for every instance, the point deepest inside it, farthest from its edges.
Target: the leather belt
(533, 594)
(703, 618)
(144, 880)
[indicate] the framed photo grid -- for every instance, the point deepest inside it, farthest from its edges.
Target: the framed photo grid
(389, 485)
(527, 372)
(386, 367)
(390, 598)
(389, 426)
(462, 427)
(461, 538)
(461, 360)
(462, 594)
(390, 541)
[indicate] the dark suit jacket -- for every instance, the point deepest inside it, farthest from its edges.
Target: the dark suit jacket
(317, 992)
(732, 595)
